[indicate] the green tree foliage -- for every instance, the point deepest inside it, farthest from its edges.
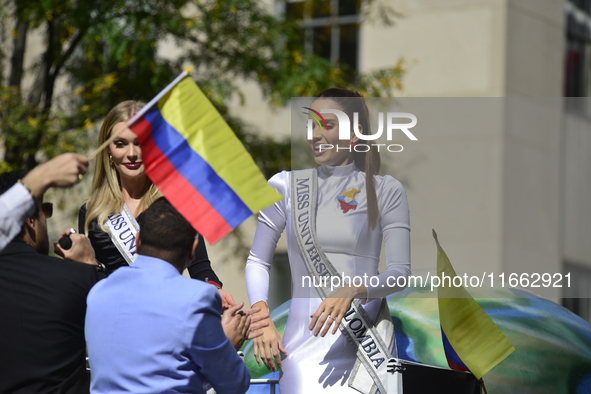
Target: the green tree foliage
(110, 51)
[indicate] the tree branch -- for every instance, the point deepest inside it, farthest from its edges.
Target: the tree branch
(48, 82)
(18, 53)
(78, 35)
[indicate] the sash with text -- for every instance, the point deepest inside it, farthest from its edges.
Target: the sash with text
(373, 340)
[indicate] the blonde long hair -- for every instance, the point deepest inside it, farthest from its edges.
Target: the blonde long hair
(106, 197)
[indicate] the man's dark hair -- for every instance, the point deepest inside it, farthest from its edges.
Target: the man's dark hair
(165, 233)
(9, 179)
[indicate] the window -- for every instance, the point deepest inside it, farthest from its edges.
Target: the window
(577, 297)
(584, 5)
(331, 29)
(577, 65)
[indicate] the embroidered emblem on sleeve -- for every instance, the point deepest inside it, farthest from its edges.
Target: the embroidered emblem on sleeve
(347, 200)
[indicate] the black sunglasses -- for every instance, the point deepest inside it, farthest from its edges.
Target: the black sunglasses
(47, 208)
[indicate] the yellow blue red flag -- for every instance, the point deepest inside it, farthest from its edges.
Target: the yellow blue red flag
(471, 340)
(197, 162)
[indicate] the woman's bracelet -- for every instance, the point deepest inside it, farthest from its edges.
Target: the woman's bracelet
(216, 284)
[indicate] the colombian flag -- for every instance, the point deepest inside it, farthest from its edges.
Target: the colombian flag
(471, 340)
(194, 158)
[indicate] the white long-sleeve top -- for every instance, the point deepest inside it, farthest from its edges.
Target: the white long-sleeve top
(16, 204)
(343, 236)
(323, 364)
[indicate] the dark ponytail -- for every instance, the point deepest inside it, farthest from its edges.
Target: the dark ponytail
(352, 101)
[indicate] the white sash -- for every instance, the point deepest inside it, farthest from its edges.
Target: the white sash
(122, 229)
(373, 341)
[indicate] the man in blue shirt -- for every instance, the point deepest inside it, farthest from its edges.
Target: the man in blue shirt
(151, 330)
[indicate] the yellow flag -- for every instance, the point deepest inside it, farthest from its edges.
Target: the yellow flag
(197, 162)
(473, 340)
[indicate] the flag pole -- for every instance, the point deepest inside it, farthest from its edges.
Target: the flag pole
(159, 96)
(141, 112)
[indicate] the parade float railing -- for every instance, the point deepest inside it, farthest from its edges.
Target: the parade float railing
(271, 382)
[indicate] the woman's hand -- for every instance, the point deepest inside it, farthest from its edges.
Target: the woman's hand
(241, 325)
(258, 321)
(227, 299)
(332, 310)
(268, 345)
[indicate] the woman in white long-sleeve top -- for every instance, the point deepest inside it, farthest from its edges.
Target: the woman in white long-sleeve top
(356, 210)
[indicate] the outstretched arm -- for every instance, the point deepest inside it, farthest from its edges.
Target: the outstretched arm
(18, 202)
(61, 171)
(16, 205)
(200, 267)
(272, 220)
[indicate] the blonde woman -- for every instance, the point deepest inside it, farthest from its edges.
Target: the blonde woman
(121, 191)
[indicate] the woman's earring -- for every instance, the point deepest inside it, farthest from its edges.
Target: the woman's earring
(111, 159)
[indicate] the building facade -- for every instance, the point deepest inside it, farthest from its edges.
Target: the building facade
(512, 195)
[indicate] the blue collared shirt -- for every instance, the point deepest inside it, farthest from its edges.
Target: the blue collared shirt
(151, 330)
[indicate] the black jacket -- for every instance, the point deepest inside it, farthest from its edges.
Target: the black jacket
(108, 254)
(42, 311)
